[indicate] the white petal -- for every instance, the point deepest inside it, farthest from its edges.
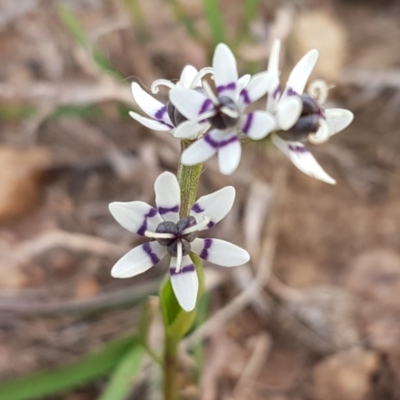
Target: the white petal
(214, 205)
(302, 159)
(288, 112)
(168, 196)
(243, 81)
(138, 260)
(256, 88)
(185, 283)
(135, 216)
(190, 103)
(151, 123)
(273, 62)
(258, 124)
(225, 71)
(338, 119)
(301, 72)
(201, 150)
(188, 130)
(187, 76)
(150, 105)
(220, 252)
(229, 153)
(274, 94)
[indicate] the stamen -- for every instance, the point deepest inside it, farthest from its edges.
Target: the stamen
(158, 235)
(229, 112)
(178, 257)
(322, 135)
(206, 115)
(161, 82)
(200, 75)
(198, 227)
(319, 90)
(210, 94)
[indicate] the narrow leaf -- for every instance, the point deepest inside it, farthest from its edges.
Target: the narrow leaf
(123, 379)
(38, 385)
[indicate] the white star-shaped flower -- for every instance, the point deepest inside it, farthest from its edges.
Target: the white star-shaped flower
(225, 112)
(300, 117)
(176, 236)
(165, 117)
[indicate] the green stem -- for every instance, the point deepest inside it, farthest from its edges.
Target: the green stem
(188, 177)
(170, 368)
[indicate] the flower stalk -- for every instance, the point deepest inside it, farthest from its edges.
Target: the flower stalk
(188, 178)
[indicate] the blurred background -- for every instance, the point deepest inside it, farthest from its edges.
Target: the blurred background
(325, 324)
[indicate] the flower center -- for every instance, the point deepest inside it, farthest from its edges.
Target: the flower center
(308, 122)
(227, 113)
(180, 235)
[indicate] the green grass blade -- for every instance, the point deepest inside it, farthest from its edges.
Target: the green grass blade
(73, 25)
(213, 13)
(250, 10)
(38, 385)
(123, 379)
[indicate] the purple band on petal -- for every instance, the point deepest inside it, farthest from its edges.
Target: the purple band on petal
(290, 92)
(249, 121)
(210, 224)
(208, 139)
(226, 142)
(246, 98)
(153, 256)
(186, 268)
(207, 245)
(229, 86)
(197, 209)
(150, 214)
(160, 113)
(205, 106)
(298, 149)
(276, 92)
(165, 210)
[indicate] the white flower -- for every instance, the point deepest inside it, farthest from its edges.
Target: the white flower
(176, 236)
(165, 117)
(225, 112)
(300, 117)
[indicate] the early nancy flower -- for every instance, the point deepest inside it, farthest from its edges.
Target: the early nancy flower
(225, 112)
(175, 236)
(300, 117)
(166, 117)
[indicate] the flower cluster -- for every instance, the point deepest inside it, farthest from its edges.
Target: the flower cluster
(217, 120)
(214, 121)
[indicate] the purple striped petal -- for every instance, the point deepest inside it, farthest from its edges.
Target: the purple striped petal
(190, 103)
(152, 107)
(258, 86)
(185, 283)
(135, 216)
(168, 196)
(301, 72)
(225, 71)
(138, 260)
(151, 123)
(258, 124)
(214, 205)
(220, 252)
(302, 158)
(229, 153)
